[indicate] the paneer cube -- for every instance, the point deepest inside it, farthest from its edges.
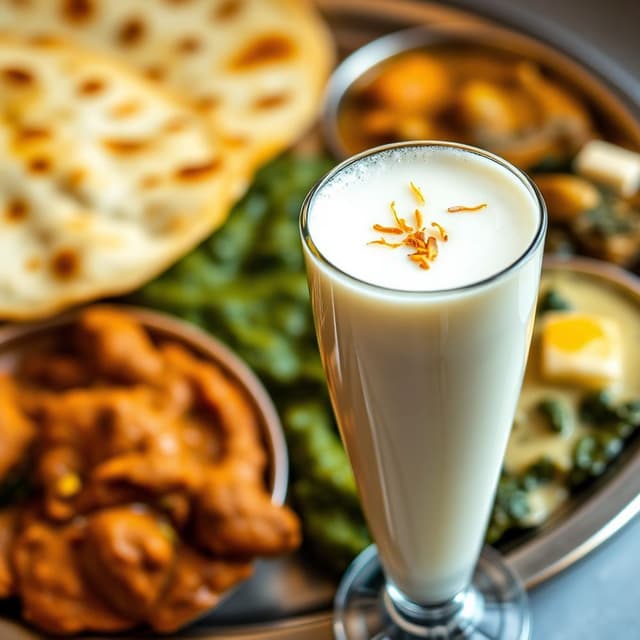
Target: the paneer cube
(581, 348)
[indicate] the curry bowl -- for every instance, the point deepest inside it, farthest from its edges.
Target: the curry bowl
(599, 507)
(611, 116)
(174, 425)
(19, 339)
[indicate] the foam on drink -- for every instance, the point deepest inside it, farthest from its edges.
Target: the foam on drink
(480, 244)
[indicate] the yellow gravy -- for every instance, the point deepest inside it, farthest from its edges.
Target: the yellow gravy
(531, 437)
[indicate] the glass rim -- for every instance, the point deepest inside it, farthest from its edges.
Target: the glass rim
(522, 259)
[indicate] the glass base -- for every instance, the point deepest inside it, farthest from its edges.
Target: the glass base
(494, 607)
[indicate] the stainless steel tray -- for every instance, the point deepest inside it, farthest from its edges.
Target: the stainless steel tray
(291, 599)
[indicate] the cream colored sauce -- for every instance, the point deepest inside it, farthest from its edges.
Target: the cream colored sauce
(531, 438)
(543, 501)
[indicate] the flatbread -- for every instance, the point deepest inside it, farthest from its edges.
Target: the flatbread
(104, 181)
(256, 68)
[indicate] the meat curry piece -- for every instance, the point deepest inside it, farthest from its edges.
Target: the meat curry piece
(16, 431)
(118, 348)
(53, 591)
(8, 528)
(235, 518)
(468, 93)
(150, 499)
(57, 372)
(128, 557)
(237, 421)
(197, 585)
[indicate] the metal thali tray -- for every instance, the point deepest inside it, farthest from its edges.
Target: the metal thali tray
(290, 598)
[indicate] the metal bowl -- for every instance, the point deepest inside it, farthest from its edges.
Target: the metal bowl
(600, 510)
(613, 117)
(19, 339)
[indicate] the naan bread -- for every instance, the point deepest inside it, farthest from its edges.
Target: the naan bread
(257, 68)
(104, 179)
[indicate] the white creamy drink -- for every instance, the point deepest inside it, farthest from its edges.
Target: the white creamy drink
(424, 359)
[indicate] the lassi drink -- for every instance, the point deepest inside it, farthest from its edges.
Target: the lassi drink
(424, 342)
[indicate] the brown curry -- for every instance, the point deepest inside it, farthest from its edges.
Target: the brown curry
(148, 497)
(470, 94)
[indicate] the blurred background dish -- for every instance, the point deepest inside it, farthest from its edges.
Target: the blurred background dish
(506, 93)
(144, 470)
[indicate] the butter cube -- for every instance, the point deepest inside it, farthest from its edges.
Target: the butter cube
(581, 348)
(610, 165)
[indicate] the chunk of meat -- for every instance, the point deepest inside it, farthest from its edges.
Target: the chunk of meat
(117, 346)
(8, 528)
(236, 418)
(59, 473)
(140, 477)
(236, 518)
(80, 429)
(54, 595)
(128, 556)
(55, 371)
(151, 437)
(196, 587)
(16, 431)
(99, 423)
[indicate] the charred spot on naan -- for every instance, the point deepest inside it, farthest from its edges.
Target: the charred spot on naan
(131, 32)
(78, 12)
(208, 102)
(199, 171)
(227, 10)
(74, 177)
(92, 86)
(125, 109)
(43, 40)
(65, 263)
(17, 210)
(29, 133)
(188, 44)
(17, 77)
(175, 125)
(272, 101)
(264, 50)
(150, 181)
(155, 72)
(39, 165)
(123, 147)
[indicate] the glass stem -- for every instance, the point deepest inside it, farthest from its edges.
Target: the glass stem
(449, 619)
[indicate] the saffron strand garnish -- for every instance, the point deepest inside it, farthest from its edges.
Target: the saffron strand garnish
(461, 207)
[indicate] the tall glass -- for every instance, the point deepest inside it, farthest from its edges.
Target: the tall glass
(424, 385)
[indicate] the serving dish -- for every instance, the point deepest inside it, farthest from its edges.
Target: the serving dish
(289, 598)
(16, 340)
(20, 341)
